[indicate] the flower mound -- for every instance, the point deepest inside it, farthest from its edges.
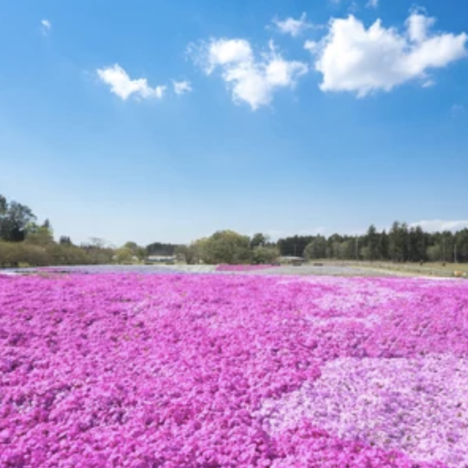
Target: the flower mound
(232, 371)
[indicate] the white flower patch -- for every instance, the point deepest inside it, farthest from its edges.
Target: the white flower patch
(354, 297)
(369, 321)
(418, 406)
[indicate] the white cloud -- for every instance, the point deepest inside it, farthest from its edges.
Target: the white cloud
(429, 84)
(418, 26)
(312, 46)
(373, 4)
(353, 58)
(226, 52)
(46, 26)
(293, 26)
(250, 80)
(124, 87)
(439, 225)
(182, 87)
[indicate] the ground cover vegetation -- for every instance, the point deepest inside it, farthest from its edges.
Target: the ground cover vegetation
(232, 371)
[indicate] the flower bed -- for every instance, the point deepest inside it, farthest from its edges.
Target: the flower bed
(232, 371)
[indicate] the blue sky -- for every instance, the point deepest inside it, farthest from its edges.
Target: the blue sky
(160, 120)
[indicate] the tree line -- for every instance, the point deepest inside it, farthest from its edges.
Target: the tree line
(24, 241)
(401, 243)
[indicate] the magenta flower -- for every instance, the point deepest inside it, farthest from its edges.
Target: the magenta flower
(232, 371)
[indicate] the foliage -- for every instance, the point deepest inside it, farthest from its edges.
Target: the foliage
(294, 246)
(65, 240)
(135, 250)
(160, 248)
(316, 249)
(192, 253)
(232, 371)
(265, 255)
(14, 254)
(259, 240)
(226, 247)
(40, 235)
(14, 220)
(401, 244)
(124, 255)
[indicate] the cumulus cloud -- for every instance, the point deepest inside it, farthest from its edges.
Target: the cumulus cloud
(124, 87)
(355, 59)
(46, 26)
(228, 51)
(418, 27)
(249, 79)
(182, 87)
(292, 26)
(438, 225)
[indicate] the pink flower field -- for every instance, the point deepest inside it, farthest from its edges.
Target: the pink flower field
(182, 371)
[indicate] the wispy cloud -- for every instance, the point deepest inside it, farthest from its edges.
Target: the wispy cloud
(429, 84)
(123, 86)
(355, 59)
(373, 4)
(46, 26)
(250, 80)
(437, 225)
(292, 26)
(182, 87)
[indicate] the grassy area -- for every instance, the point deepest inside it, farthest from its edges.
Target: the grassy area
(411, 269)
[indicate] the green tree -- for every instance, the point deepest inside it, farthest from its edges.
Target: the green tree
(133, 246)
(333, 246)
(265, 255)
(461, 246)
(3, 206)
(434, 253)
(14, 219)
(317, 249)
(347, 249)
(294, 246)
(226, 247)
(418, 247)
(97, 253)
(123, 255)
(140, 253)
(371, 251)
(383, 247)
(258, 240)
(65, 240)
(39, 235)
(396, 239)
(160, 248)
(137, 250)
(193, 253)
(9, 254)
